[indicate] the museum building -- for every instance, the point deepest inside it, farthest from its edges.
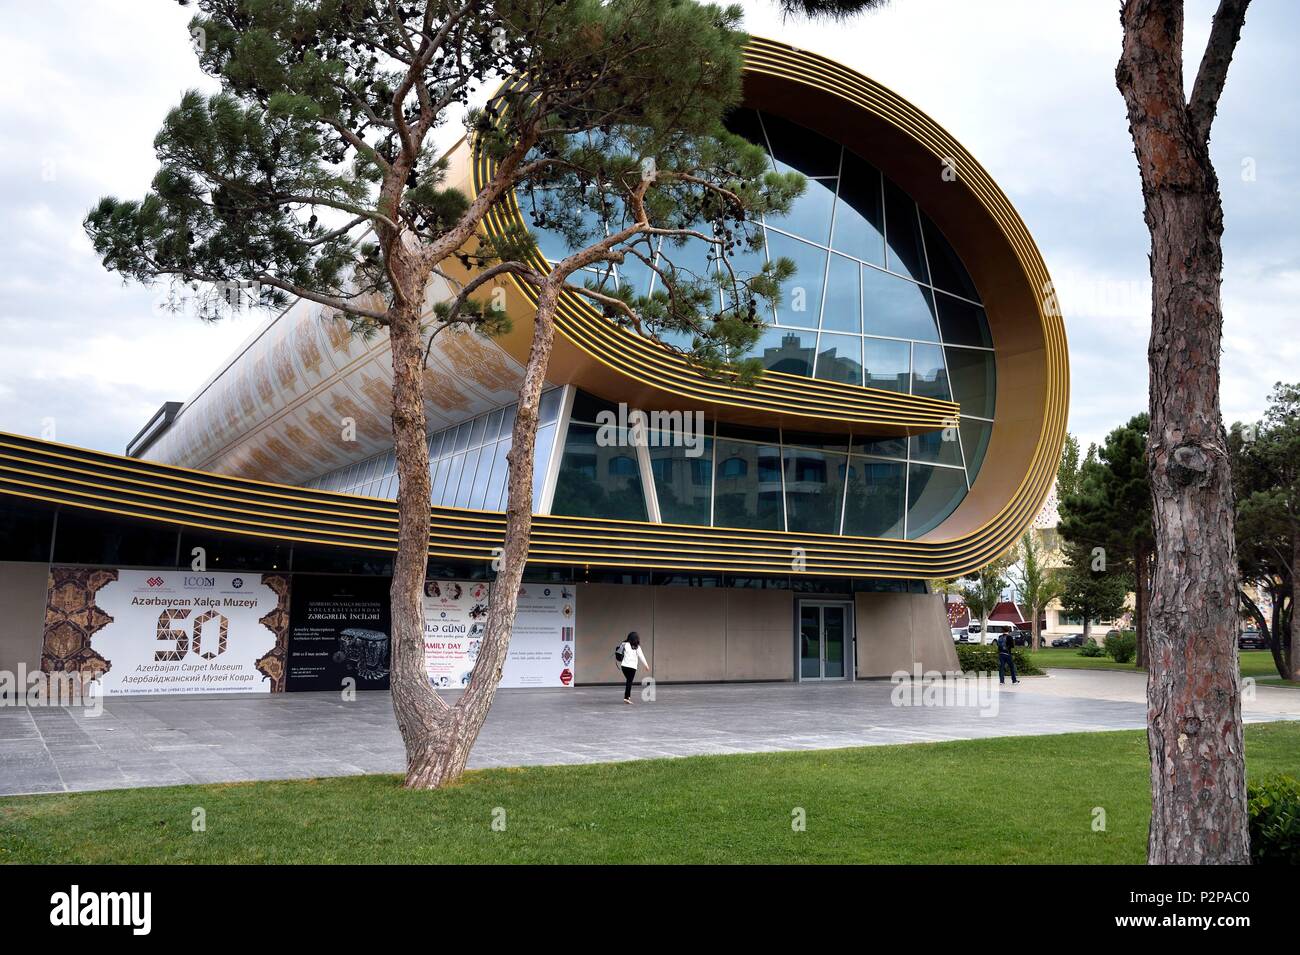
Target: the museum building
(906, 428)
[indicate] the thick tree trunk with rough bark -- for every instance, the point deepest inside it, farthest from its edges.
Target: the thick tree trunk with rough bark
(442, 755)
(1141, 584)
(1198, 783)
(421, 713)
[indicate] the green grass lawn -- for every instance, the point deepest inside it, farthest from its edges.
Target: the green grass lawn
(1019, 799)
(1256, 663)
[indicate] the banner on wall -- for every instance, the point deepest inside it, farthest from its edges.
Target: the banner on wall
(339, 629)
(541, 648)
(167, 632)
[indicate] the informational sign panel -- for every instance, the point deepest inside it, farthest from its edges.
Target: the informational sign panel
(339, 630)
(541, 648)
(168, 632)
(455, 612)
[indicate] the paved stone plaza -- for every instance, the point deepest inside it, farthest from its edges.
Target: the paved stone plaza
(168, 741)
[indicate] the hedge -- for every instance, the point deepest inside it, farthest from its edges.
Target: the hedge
(1274, 807)
(979, 658)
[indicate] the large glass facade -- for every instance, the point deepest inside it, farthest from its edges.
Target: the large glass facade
(764, 479)
(879, 299)
(467, 462)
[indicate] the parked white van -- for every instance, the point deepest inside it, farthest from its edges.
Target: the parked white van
(996, 629)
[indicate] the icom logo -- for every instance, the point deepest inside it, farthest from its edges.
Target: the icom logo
(200, 581)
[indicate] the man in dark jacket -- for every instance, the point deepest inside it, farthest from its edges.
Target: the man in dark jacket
(1005, 642)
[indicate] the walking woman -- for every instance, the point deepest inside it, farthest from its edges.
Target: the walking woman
(631, 657)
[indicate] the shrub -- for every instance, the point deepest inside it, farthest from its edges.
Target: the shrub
(1122, 646)
(975, 658)
(1274, 807)
(1092, 649)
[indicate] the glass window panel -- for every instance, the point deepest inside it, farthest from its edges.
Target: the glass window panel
(787, 350)
(548, 407)
(896, 308)
(743, 432)
(479, 425)
(839, 358)
(859, 229)
(881, 447)
(801, 296)
(888, 364)
(748, 487)
(810, 214)
(975, 437)
(89, 538)
(508, 416)
(800, 149)
(811, 439)
(874, 503)
(541, 462)
(493, 426)
(496, 486)
(435, 445)
(745, 261)
(974, 383)
(438, 481)
(929, 375)
(946, 269)
(592, 484)
(692, 258)
(906, 255)
(745, 123)
(937, 447)
(390, 487)
(466, 485)
(482, 477)
(932, 494)
(633, 272)
(683, 481)
(842, 310)
(462, 438)
(963, 323)
(456, 466)
(814, 490)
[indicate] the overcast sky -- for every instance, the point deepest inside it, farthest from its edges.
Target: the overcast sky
(1028, 86)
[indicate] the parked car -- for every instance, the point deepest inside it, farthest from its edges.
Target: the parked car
(1251, 640)
(959, 635)
(1072, 640)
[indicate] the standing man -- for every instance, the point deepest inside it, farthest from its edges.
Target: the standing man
(1005, 642)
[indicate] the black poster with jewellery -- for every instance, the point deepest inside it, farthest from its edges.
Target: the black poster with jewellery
(339, 631)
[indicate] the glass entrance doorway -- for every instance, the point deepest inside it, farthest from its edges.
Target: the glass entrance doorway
(825, 639)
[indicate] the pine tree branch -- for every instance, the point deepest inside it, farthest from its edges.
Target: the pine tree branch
(1213, 72)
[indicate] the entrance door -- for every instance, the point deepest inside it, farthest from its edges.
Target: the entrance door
(825, 639)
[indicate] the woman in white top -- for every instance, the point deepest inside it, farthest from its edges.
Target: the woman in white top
(633, 657)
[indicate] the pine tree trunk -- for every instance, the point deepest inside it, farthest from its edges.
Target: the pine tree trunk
(421, 713)
(1141, 578)
(1198, 812)
(444, 754)
(1293, 658)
